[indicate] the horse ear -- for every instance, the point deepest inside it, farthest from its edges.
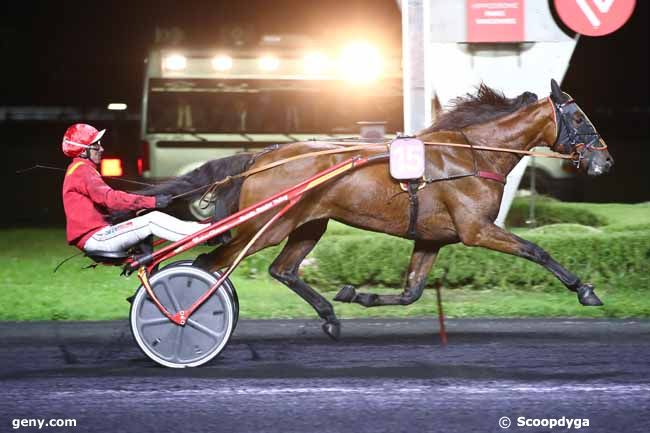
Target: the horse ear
(530, 97)
(556, 92)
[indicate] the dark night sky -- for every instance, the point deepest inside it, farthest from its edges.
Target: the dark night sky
(87, 52)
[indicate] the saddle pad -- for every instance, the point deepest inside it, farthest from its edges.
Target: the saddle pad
(406, 158)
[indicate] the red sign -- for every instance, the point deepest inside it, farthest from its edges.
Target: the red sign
(495, 21)
(594, 17)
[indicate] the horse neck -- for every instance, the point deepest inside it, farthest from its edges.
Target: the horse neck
(531, 126)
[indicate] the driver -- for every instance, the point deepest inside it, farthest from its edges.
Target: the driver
(88, 200)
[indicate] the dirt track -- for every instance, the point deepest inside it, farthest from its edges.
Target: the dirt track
(384, 376)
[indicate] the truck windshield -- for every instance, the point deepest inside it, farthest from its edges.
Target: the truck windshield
(281, 106)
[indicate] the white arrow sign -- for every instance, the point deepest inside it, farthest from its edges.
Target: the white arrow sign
(604, 5)
(589, 12)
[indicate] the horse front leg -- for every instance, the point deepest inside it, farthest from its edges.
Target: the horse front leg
(493, 237)
(422, 259)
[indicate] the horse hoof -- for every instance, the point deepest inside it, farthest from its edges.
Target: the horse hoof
(346, 294)
(332, 329)
(587, 297)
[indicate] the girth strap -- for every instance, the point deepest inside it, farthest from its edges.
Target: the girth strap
(414, 207)
(414, 185)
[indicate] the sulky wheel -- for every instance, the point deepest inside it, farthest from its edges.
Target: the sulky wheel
(206, 332)
(227, 284)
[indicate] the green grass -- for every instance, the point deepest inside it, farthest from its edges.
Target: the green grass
(31, 291)
(608, 216)
(270, 299)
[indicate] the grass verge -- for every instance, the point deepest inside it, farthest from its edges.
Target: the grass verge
(31, 291)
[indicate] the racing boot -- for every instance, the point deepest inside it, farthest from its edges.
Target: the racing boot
(587, 297)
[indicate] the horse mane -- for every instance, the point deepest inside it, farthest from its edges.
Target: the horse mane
(487, 104)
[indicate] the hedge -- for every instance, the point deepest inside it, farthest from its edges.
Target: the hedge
(550, 211)
(379, 260)
(617, 259)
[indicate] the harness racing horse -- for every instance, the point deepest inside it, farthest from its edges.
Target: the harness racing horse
(457, 204)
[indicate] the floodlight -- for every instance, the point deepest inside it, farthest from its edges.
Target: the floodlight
(360, 62)
(175, 62)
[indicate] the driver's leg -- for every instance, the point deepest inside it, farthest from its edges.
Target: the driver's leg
(167, 227)
(122, 236)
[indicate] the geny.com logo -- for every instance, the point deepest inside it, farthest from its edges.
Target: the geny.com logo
(40, 423)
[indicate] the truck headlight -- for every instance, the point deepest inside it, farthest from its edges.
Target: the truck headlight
(175, 62)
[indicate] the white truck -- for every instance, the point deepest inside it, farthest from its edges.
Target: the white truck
(201, 104)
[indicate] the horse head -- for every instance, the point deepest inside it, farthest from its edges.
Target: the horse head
(577, 135)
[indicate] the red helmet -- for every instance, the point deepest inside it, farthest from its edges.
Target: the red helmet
(78, 138)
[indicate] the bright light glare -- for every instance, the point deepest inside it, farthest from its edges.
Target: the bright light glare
(222, 63)
(269, 63)
(175, 62)
(315, 63)
(360, 62)
(111, 167)
(117, 106)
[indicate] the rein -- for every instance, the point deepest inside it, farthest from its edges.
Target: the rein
(48, 167)
(499, 149)
(352, 147)
(470, 146)
(213, 186)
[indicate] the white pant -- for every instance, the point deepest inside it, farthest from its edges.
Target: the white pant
(124, 235)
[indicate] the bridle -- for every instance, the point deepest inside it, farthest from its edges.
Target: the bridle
(574, 141)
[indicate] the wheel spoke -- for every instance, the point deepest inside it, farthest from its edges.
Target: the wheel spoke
(157, 321)
(178, 342)
(172, 298)
(196, 325)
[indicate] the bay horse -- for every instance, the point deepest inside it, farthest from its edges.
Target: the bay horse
(456, 205)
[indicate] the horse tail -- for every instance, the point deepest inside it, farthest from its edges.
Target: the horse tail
(194, 184)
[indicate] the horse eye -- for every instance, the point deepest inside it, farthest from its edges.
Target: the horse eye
(579, 119)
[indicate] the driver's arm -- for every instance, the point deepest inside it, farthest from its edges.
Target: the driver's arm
(102, 194)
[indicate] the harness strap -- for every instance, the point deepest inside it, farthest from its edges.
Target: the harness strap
(492, 176)
(347, 147)
(212, 187)
(414, 207)
(499, 149)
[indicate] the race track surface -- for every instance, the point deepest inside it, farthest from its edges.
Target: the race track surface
(385, 375)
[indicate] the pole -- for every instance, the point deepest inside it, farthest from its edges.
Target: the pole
(441, 317)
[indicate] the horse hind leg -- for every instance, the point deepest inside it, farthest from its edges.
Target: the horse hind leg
(221, 256)
(285, 269)
(422, 259)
